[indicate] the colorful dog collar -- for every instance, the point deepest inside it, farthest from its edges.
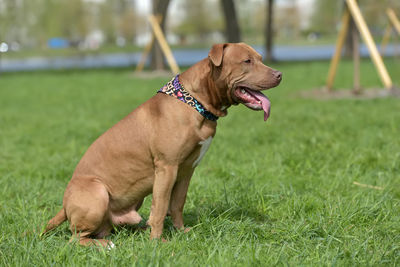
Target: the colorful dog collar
(175, 88)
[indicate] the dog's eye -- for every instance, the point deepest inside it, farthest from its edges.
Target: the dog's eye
(248, 61)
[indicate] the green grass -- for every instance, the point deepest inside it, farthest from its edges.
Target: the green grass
(275, 193)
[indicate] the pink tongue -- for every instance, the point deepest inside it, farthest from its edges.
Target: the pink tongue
(266, 104)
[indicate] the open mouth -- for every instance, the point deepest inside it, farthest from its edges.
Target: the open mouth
(253, 99)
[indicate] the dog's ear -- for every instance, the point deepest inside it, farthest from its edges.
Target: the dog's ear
(217, 53)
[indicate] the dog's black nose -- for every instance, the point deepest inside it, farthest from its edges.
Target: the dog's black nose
(278, 75)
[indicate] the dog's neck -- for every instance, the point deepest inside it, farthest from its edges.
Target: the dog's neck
(198, 82)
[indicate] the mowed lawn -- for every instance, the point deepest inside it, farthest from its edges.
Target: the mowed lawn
(279, 192)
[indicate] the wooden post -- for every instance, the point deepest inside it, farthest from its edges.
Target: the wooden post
(147, 49)
(356, 58)
(393, 19)
(376, 58)
(159, 8)
(163, 44)
(338, 50)
(145, 55)
(385, 39)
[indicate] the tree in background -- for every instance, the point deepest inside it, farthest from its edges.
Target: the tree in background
(126, 20)
(327, 13)
(75, 20)
(375, 11)
(34, 22)
(232, 30)
(197, 20)
(289, 21)
(127, 25)
(251, 20)
(325, 16)
(119, 19)
(108, 22)
(54, 18)
(14, 23)
(269, 32)
(48, 25)
(160, 8)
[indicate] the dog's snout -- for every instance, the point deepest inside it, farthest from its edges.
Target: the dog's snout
(278, 75)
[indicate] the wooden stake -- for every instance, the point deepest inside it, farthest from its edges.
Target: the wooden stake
(145, 55)
(147, 49)
(338, 50)
(163, 44)
(385, 39)
(365, 33)
(356, 58)
(393, 19)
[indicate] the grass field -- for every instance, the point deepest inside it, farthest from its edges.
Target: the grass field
(275, 193)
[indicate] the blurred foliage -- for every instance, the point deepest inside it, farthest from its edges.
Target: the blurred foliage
(34, 22)
(375, 11)
(325, 16)
(198, 19)
(192, 22)
(252, 19)
(327, 13)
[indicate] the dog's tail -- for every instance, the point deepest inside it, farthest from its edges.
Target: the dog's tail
(56, 221)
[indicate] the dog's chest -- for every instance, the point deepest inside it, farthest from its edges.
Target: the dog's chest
(204, 145)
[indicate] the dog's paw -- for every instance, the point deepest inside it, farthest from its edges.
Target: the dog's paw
(110, 246)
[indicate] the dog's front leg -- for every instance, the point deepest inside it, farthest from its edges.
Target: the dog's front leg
(165, 177)
(178, 198)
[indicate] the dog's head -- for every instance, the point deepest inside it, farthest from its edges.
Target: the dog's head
(238, 70)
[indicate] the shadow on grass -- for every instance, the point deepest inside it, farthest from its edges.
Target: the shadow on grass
(209, 215)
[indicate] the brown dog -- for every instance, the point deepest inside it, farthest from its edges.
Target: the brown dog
(156, 148)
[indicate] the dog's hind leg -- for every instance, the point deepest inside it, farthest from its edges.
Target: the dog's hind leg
(86, 204)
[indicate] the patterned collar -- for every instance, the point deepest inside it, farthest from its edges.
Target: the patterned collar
(175, 88)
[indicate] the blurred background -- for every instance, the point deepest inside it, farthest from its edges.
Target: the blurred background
(47, 34)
